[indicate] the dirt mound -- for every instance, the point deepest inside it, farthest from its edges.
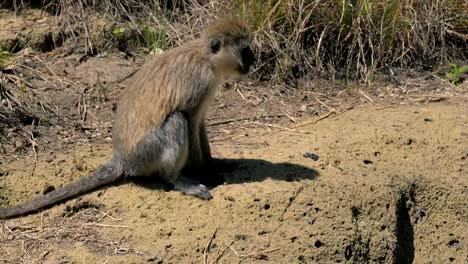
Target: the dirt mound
(35, 29)
(389, 186)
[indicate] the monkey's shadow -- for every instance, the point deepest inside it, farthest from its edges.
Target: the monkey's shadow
(235, 171)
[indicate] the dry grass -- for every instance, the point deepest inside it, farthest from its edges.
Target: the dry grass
(356, 39)
(17, 93)
(33, 242)
(23, 106)
(345, 39)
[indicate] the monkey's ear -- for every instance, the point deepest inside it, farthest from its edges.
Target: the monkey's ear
(215, 44)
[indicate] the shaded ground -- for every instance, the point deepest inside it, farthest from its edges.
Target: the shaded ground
(390, 184)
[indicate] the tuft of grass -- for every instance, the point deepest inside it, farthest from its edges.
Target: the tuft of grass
(119, 32)
(154, 40)
(144, 37)
(456, 73)
(5, 58)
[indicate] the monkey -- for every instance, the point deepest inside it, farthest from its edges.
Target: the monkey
(159, 124)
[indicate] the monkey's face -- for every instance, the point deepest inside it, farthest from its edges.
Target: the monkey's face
(247, 58)
(232, 59)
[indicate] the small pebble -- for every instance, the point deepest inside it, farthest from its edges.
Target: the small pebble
(312, 156)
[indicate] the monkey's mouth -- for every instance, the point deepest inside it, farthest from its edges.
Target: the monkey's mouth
(245, 69)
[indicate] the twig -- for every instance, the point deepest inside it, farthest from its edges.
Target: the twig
(83, 114)
(32, 237)
(17, 80)
(227, 121)
(243, 97)
(442, 80)
(39, 73)
(3, 148)
(21, 227)
(127, 76)
(104, 214)
(279, 127)
(384, 107)
(34, 144)
(44, 254)
(366, 96)
(50, 70)
(437, 96)
(105, 225)
(218, 256)
(345, 110)
(322, 103)
(289, 116)
(232, 120)
(205, 252)
(253, 253)
(432, 98)
(326, 116)
(106, 261)
(458, 34)
(316, 120)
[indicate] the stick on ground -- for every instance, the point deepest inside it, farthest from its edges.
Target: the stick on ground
(205, 252)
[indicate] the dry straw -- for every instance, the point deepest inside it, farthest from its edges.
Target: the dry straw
(345, 39)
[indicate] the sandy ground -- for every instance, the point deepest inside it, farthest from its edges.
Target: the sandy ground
(390, 186)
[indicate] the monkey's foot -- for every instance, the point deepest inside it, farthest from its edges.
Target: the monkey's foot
(191, 187)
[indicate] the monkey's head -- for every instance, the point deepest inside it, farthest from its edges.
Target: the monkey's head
(229, 46)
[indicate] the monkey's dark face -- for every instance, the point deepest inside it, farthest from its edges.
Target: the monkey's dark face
(233, 59)
(247, 60)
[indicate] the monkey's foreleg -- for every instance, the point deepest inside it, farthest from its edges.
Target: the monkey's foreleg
(199, 160)
(195, 156)
(201, 165)
(205, 145)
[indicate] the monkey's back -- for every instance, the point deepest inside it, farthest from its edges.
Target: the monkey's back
(172, 81)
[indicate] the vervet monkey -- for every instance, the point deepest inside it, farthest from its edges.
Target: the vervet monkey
(159, 126)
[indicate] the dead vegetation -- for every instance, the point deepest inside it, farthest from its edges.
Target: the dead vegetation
(23, 104)
(29, 242)
(346, 39)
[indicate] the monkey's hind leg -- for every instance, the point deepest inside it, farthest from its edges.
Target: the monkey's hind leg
(165, 152)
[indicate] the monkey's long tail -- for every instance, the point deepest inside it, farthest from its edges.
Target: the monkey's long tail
(106, 174)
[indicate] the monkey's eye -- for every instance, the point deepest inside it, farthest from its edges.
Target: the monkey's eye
(215, 45)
